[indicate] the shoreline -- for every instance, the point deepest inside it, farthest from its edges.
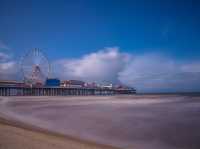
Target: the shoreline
(15, 134)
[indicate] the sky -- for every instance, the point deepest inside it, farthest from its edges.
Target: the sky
(152, 45)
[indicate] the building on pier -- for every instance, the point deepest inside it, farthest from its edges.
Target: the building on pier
(52, 82)
(11, 83)
(72, 84)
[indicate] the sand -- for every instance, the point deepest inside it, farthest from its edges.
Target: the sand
(131, 122)
(15, 135)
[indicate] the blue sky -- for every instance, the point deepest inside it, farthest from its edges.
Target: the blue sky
(73, 28)
(70, 29)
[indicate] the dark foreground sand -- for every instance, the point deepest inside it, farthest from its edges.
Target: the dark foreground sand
(16, 135)
(128, 122)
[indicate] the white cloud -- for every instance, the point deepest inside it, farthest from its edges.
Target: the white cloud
(191, 67)
(156, 73)
(3, 46)
(8, 67)
(102, 66)
(8, 70)
(4, 57)
(149, 72)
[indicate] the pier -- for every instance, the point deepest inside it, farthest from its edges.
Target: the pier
(59, 91)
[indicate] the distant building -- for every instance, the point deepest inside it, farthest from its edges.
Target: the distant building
(52, 82)
(91, 85)
(72, 83)
(110, 86)
(121, 89)
(11, 83)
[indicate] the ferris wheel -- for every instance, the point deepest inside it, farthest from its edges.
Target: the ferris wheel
(35, 67)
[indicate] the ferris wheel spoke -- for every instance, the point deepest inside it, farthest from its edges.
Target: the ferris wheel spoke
(28, 61)
(42, 61)
(35, 65)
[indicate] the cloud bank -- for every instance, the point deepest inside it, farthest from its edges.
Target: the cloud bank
(150, 73)
(8, 67)
(102, 66)
(147, 73)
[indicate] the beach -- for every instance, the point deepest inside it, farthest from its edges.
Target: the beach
(137, 121)
(14, 135)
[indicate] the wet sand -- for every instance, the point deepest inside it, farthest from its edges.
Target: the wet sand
(141, 122)
(15, 135)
